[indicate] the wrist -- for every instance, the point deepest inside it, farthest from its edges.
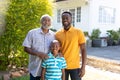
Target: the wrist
(83, 67)
(37, 54)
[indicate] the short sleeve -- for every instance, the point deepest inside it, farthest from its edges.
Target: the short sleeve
(28, 40)
(43, 64)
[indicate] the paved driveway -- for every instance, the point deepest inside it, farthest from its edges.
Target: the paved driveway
(109, 52)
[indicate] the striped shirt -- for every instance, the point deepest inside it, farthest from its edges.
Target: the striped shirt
(40, 42)
(53, 67)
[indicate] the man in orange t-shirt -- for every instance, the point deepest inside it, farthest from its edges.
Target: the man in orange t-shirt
(72, 44)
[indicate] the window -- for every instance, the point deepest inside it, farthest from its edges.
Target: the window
(106, 14)
(73, 16)
(59, 16)
(78, 14)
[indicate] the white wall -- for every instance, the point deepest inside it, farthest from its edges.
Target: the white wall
(94, 7)
(84, 24)
(54, 22)
(89, 15)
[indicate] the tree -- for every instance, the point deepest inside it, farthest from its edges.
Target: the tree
(21, 16)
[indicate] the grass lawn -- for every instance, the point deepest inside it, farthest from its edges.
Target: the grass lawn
(27, 77)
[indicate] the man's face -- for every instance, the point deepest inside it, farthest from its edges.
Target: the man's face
(46, 22)
(66, 21)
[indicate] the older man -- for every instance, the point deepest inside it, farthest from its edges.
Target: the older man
(36, 44)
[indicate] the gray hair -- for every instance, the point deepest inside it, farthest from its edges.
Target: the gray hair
(45, 15)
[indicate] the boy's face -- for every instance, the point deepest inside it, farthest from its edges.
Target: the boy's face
(55, 47)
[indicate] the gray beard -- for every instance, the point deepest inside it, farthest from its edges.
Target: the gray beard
(46, 27)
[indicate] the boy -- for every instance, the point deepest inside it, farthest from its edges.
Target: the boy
(53, 67)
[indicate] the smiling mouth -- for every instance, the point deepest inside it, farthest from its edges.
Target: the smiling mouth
(65, 23)
(54, 50)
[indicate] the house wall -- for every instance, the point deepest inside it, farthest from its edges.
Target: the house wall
(84, 24)
(90, 14)
(55, 25)
(93, 15)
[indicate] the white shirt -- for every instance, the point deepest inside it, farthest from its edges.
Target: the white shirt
(38, 41)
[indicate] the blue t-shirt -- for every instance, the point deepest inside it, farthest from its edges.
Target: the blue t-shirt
(53, 67)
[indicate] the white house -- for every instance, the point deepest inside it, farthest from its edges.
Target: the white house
(3, 6)
(89, 14)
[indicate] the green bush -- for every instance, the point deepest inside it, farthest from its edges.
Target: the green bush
(95, 34)
(21, 16)
(27, 77)
(114, 35)
(119, 33)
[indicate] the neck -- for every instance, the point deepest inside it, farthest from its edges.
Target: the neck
(45, 30)
(55, 55)
(67, 28)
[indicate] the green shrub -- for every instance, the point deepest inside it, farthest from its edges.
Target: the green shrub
(113, 34)
(119, 33)
(95, 34)
(21, 16)
(27, 77)
(86, 33)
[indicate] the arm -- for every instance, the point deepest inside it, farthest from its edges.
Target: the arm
(43, 73)
(83, 56)
(63, 74)
(64, 65)
(32, 52)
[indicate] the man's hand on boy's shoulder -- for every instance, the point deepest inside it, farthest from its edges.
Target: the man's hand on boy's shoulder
(60, 54)
(43, 55)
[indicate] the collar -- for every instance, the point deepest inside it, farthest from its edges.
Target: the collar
(41, 31)
(70, 29)
(51, 55)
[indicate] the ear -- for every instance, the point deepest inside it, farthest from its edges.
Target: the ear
(59, 49)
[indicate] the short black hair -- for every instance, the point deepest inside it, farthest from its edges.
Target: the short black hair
(67, 13)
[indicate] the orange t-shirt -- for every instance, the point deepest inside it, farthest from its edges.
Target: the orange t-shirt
(70, 45)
